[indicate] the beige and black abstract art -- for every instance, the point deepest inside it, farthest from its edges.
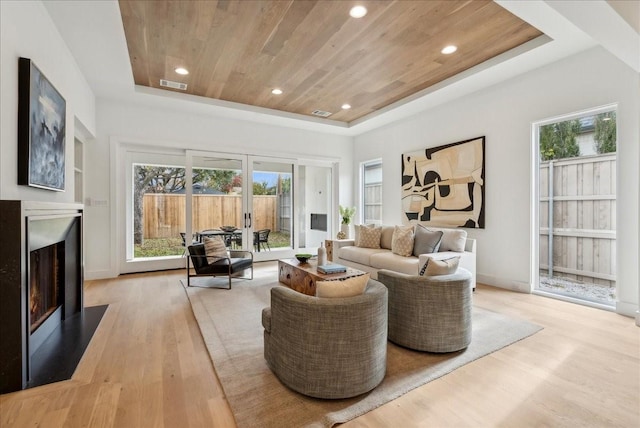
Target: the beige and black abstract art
(444, 185)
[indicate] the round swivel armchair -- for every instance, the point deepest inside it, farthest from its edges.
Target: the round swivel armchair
(429, 313)
(327, 347)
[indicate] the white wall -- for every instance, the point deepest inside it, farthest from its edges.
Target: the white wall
(124, 123)
(504, 114)
(317, 200)
(26, 30)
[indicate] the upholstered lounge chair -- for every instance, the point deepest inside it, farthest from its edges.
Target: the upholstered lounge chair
(233, 266)
(429, 313)
(327, 347)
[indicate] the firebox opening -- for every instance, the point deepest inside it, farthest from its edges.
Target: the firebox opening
(46, 275)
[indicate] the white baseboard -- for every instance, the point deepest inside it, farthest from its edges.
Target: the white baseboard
(629, 309)
(519, 286)
(99, 274)
(622, 308)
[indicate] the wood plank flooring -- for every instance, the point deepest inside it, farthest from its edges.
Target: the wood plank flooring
(147, 366)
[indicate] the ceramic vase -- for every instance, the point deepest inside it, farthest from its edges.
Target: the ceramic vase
(344, 228)
(322, 256)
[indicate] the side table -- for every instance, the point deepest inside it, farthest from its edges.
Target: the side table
(302, 277)
(329, 245)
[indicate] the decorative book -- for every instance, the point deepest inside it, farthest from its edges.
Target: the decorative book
(332, 269)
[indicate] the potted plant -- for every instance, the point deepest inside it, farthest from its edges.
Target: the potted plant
(346, 213)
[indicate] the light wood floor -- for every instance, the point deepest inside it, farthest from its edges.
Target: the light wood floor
(147, 366)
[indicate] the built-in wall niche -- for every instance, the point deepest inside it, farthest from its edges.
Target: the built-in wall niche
(78, 171)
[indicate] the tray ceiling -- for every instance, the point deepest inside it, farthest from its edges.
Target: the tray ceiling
(320, 57)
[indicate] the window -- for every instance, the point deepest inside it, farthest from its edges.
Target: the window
(372, 192)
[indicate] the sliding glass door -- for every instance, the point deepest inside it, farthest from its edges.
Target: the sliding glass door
(155, 235)
(216, 198)
(272, 206)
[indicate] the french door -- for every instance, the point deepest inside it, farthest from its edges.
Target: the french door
(247, 200)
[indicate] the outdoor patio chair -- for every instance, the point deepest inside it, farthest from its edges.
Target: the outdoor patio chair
(233, 266)
(183, 235)
(261, 238)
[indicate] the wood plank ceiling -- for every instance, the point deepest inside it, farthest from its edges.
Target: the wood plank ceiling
(321, 58)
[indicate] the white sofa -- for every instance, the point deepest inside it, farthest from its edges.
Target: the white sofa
(371, 260)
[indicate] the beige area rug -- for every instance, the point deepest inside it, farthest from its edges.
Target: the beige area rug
(230, 322)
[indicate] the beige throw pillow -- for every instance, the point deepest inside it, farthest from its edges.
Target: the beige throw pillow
(370, 237)
(435, 267)
(402, 241)
(356, 234)
(214, 248)
(453, 240)
(348, 287)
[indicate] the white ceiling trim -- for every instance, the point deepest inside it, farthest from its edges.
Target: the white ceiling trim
(602, 23)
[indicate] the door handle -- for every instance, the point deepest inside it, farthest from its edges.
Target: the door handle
(250, 222)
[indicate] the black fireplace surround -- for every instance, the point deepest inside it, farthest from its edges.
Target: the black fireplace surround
(41, 263)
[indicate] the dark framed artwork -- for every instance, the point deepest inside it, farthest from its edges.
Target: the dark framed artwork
(41, 130)
(444, 185)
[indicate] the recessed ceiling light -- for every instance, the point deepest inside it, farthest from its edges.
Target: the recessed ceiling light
(182, 70)
(358, 11)
(346, 106)
(449, 49)
(276, 91)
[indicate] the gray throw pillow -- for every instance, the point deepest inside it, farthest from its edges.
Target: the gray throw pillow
(426, 241)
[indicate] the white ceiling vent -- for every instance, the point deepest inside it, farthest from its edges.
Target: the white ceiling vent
(173, 85)
(321, 113)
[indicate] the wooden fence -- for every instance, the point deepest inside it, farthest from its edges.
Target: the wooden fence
(164, 214)
(578, 198)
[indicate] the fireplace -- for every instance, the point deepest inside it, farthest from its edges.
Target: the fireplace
(44, 284)
(41, 280)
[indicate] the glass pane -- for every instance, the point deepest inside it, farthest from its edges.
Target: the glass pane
(217, 200)
(158, 210)
(372, 193)
(272, 206)
(578, 208)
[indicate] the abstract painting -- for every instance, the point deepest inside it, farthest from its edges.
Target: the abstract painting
(41, 130)
(444, 185)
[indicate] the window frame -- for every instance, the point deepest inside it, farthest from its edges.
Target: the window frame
(364, 166)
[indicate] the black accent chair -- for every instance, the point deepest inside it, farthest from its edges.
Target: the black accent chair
(261, 238)
(233, 266)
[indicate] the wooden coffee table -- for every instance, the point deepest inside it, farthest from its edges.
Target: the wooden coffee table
(302, 277)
